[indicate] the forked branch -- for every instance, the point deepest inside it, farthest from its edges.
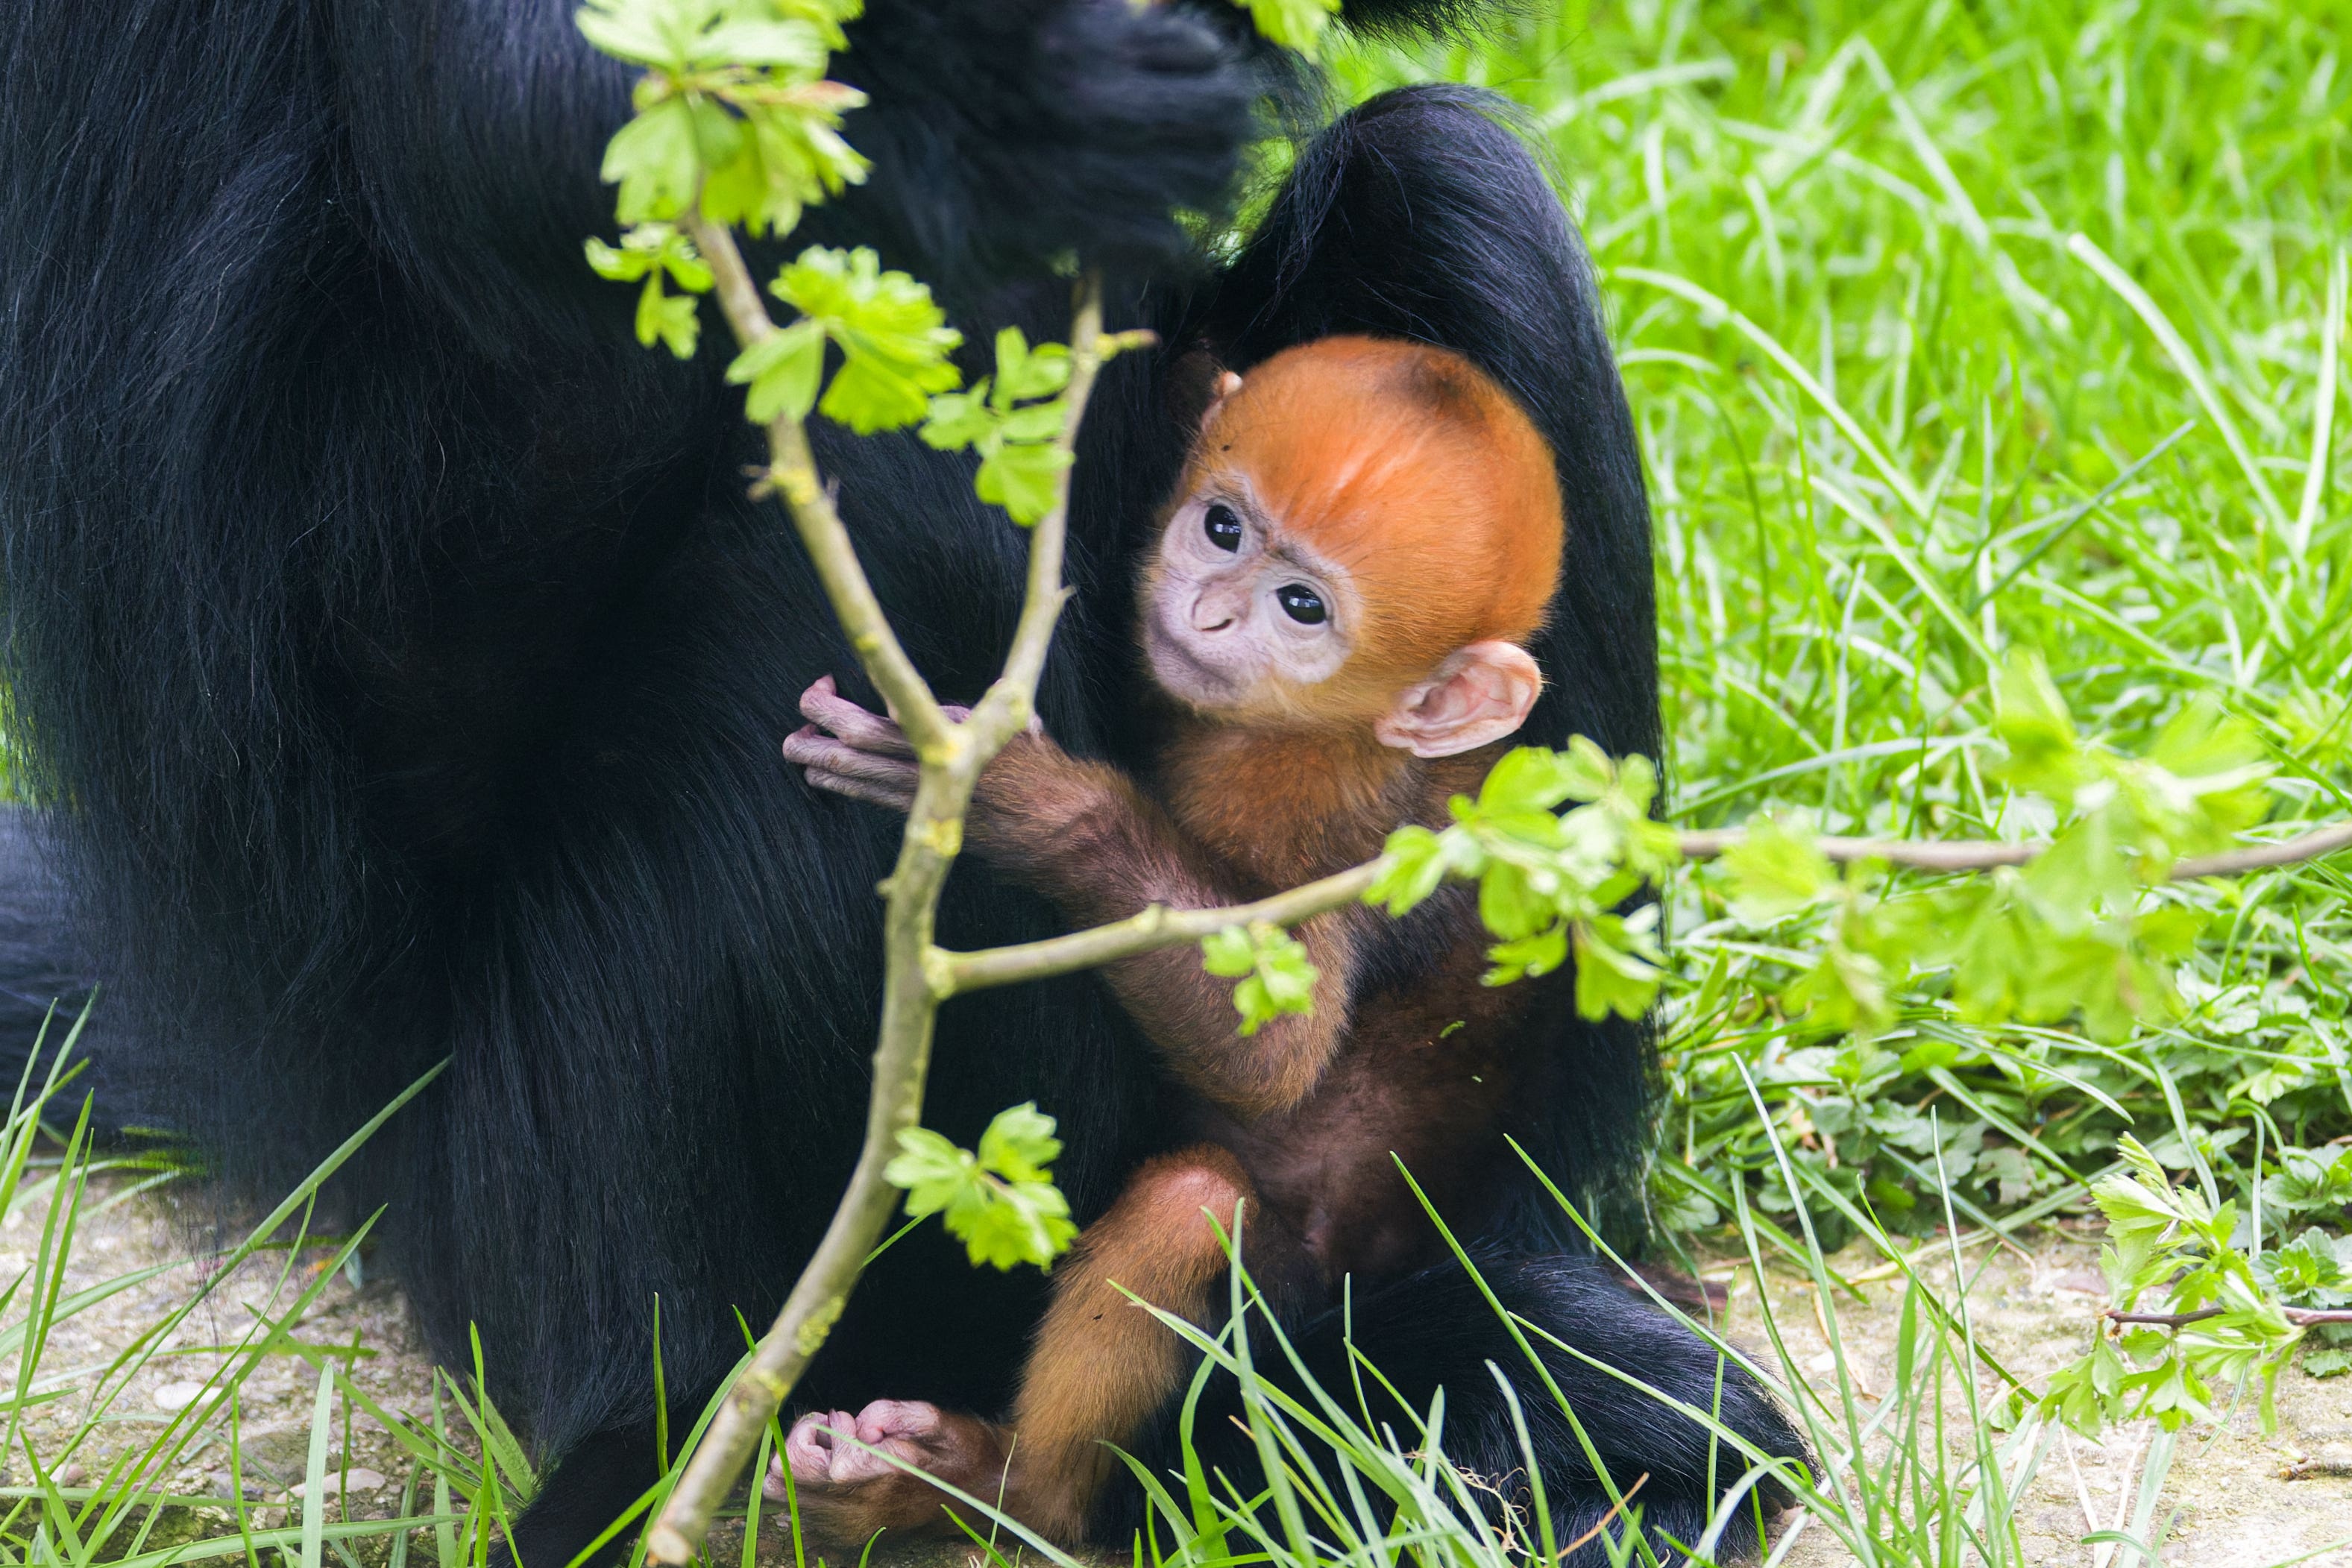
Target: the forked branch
(950, 756)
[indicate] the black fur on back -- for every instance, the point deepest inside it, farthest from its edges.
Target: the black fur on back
(408, 665)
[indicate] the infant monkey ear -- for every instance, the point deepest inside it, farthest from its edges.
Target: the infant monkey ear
(1197, 385)
(1481, 694)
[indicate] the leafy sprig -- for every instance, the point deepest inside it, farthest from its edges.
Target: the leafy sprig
(1552, 883)
(2072, 931)
(1014, 419)
(1000, 1202)
(652, 251)
(894, 342)
(733, 112)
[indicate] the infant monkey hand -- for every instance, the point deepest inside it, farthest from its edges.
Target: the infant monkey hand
(849, 751)
(1019, 809)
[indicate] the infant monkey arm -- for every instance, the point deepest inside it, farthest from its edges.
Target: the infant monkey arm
(1080, 834)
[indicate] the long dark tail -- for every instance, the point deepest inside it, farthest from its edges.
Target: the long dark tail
(1436, 1330)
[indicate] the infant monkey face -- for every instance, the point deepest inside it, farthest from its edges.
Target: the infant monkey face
(1237, 611)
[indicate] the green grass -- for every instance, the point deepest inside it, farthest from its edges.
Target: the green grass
(1949, 329)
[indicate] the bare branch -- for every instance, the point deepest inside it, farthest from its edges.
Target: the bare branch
(2310, 846)
(1013, 696)
(1153, 928)
(1986, 854)
(2302, 1317)
(792, 471)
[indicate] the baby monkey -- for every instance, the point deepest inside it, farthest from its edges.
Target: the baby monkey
(1366, 534)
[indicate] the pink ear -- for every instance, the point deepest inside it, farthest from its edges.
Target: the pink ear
(1227, 384)
(1479, 695)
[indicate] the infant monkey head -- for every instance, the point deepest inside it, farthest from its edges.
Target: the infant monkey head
(1366, 533)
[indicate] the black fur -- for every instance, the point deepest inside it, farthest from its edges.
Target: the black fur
(45, 983)
(411, 666)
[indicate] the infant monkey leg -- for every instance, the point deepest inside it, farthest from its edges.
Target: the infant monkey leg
(1103, 1366)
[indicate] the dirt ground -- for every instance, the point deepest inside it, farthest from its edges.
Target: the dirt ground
(2229, 1492)
(2235, 1506)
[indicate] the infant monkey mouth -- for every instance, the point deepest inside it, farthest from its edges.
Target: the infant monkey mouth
(1181, 671)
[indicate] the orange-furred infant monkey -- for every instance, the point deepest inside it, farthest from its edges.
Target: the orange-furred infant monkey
(1366, 534)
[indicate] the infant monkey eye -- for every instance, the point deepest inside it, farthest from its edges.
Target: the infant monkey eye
(1302, 604)
(1224, 526)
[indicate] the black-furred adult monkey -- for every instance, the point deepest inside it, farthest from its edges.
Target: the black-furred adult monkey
(411, 666)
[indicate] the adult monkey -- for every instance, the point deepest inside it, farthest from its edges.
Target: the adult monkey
(412, 665)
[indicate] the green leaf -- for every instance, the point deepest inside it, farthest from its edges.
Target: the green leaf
(781, 369)
(1776, 872)
(652, 160)
(1539, 954)
(933, 1171)
(1012, 1223)
(1019, 1144)
(1618, 964)
(667, 318)
(1024, 374)
(787, 156)
(2030, 718)
(791, 44)
(1276, 977)
(619, 265)
(1537, 779)
(1230, 953)
(958, 419)
(2307, 1267)
(1415, 864)
(1025, 480)
(895, 341)
(1845, 990)
(1002, 1204)
(642, 32)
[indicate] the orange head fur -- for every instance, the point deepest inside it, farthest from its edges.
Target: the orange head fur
(1410, 468)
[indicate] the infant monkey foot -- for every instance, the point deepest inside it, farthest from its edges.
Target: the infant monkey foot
(846, 1489)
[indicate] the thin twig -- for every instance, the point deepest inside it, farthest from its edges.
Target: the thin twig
(1155, 928)
(1158, 927)
(2301, 1317)
(950, 757)
(1985, 854)
(794, 473)
(1603, 1522)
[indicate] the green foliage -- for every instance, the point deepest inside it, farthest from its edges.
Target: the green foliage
(1272, 967)
(733, 112)
(1989, 450)
(2066, 933)
(1294, 23)
(2177, 1240)
(1549, 882)
(1000, 1202)
(651, 252)
(894, 342)
(1013, 420)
